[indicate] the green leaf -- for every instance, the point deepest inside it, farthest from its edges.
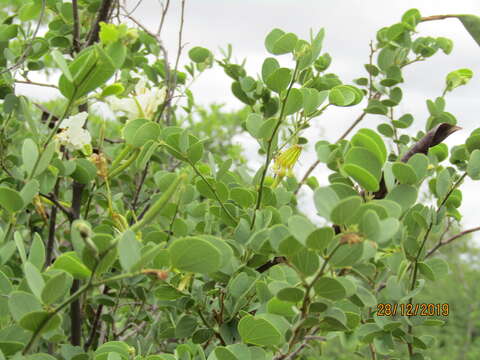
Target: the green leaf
(472, 24)
(272, 38)
(279, 79)
(186, 326)
(294, 102)
(347, 255)
(438, 266)
(403, 195)
(20, 303)
(113, 89)
(342, 95)
(443, 184)
(325, 199)
(193, 254)
(473, 167)
(199, 54)
(62, 64)
(345, 209)
(253, 124)
(419, 163)
(306, 261)
(109, 33)
(117, 51)
(329, 288)
(371, 141)
(5, 284)
(10, 199)
(29, 155)
(34, 320)
(291, 294)
(34, 279)
(259, 331)
(90, 69)
(84, 172)
(55, 288)
(147, 132)
(36, 255)
(458, 78)
(404, 173)
(266, 128)
(364, 167)
(128, 250)
(71, 263)
(300, 227)
(29, 190)
(243, 197)
(320, 238)
(269, 66)
(284, 44)
(45, 158)
(223, 353)
(312, 99)
(426, 271)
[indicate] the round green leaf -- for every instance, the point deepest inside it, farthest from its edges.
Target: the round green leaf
(404, 173)
(198, 54)
(330, 288)
(259, 332)
(10, 199)
(345, 209)
(193, 254)
(294, 102)
(279, 79)
(34, 320)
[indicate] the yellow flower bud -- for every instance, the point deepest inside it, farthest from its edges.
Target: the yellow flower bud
(286, 160)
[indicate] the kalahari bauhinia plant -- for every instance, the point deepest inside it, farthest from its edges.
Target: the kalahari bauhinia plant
(150, 236)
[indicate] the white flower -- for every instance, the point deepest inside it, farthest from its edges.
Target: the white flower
(73, 134)
(142, 105)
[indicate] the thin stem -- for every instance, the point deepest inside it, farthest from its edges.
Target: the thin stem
(162, 19)
(29, 82)
(451, 239)
(51, 230)
(317, 162)
(220, 202)
(76, 27)
(437, 17)
(268, 157)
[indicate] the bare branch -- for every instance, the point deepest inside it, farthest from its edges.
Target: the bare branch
(102, 15)
(76, 27)
(451, 239)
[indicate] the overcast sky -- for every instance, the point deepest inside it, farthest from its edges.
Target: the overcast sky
(349, 25)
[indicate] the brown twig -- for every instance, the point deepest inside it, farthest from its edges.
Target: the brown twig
(451, 239)
(162, 19)
(53, 198)
(76, 27)
(437, 17)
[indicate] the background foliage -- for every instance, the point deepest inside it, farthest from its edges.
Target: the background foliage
(151, 237)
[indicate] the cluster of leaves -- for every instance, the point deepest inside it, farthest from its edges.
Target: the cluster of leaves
(158, 242)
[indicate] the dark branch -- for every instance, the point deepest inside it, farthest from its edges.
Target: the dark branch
(431, 138)
(76, 27)
(102, 15)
